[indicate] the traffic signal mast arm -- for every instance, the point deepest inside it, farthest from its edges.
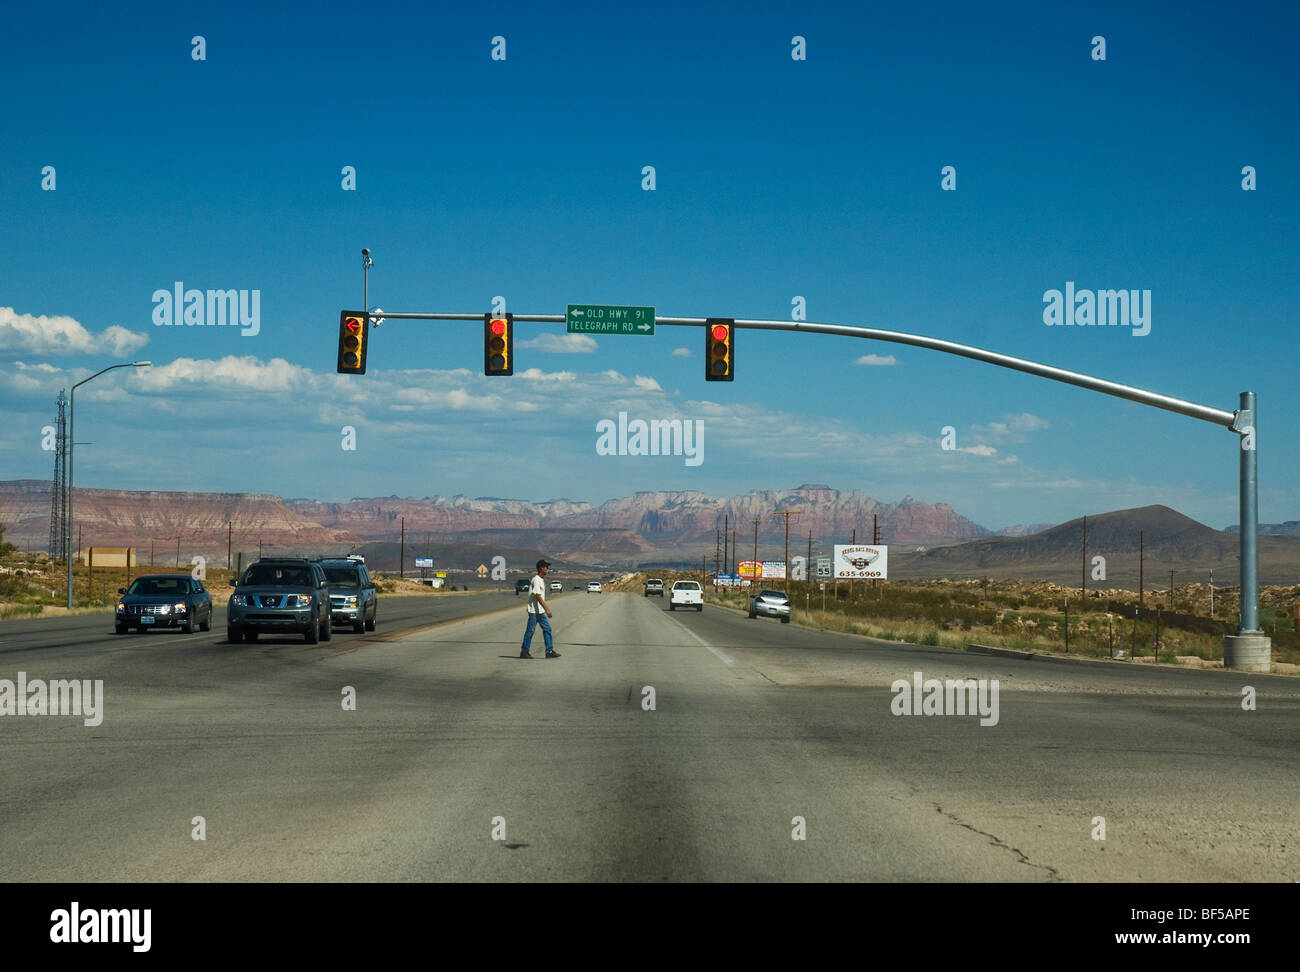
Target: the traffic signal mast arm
(1205, 413)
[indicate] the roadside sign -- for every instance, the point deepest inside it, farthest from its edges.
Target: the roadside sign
(774, 570)
(861, 561)
(610, 319)
(749, 568)
(482, 570)
(424, 561)
(823, 566)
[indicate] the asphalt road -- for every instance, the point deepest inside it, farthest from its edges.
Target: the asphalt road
(754, 724)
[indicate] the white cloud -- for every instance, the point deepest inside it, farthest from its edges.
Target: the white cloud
(979, 450)
(62, 335)
(681, 352)
(1012, 428)
(562, 343)
(537, 374)
(245, 373)
(884, 361)
(647, 384)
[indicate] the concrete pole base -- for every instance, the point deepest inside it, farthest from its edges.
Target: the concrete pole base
(1248, 652)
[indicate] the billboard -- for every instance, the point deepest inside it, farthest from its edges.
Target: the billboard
(774, 570)
(858, 561)
(748, 568)
(424, 561)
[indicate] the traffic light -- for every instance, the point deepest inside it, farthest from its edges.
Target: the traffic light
(498, 344)
(720, 349)
(352, 342)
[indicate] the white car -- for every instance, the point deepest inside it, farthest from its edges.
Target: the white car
(556, 586)
(686, 594)
(593, 587)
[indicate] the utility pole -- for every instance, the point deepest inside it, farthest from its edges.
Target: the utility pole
(875, 540)
(1211, 593)
(1171, 589)
(757, 521)
(853, 541)
(717, 551)
(808, 564)
(787, 514)
(230, 528)
(726, 558)
(1083, 578)
(401, 553)
(1141, 563)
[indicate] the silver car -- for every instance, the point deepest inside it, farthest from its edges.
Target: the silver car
(771, 604)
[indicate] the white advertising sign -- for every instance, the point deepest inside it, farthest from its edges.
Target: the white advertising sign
(857, 561)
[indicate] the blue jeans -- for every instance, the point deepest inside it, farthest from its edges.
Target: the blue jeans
(533, 621)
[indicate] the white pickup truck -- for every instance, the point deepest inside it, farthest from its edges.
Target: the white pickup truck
(685, 594)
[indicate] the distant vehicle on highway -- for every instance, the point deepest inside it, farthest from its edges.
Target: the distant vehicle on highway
(556, 586)
(163, 601)
(654, 586)
(354, 599)
(593, 587)
(280, 596)
(576, 587)
(521, 586)
(686, 594)
(772, 604)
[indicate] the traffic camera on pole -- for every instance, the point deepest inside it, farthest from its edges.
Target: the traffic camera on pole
(720, 349)
(352, 342)
(498, 344)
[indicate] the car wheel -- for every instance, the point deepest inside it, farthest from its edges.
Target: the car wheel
(752, 615)
(234, 635)
(327, 629)
(700, 608)
(121, 628)
(785, 620)
(360, 625)
(250, 636)
(207, 624)
(312, 634)
(374, 620)
(672, 606)
(189, 625)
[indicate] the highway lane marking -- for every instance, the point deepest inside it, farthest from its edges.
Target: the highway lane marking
(720, 656)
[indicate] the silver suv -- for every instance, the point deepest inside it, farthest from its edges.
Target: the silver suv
(280, 596)
(654, 586)
(353, 598)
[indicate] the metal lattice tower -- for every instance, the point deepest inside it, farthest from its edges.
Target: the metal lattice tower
(58, 491)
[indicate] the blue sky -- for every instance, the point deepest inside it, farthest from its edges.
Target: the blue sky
(775, 178)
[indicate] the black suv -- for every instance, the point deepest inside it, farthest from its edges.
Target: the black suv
(353, 597)
(522, 586)
(279, 596)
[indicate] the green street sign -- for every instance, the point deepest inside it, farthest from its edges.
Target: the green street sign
(610, 319)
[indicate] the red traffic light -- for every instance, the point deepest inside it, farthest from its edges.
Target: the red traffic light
(720, 349)
(720, 332)
(352, 324)
(498, 326)
(498, 345)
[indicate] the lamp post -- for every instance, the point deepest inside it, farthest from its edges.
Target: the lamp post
(72, 439)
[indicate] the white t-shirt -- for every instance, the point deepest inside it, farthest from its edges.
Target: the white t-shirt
(536, 589)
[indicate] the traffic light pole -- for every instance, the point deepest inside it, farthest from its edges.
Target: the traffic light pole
(1249, 649)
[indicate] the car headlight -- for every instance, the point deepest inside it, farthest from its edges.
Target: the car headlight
(239, 600)
(350, 600)
(179, 607)
(164, 609)
(120, 607)
(299, 600)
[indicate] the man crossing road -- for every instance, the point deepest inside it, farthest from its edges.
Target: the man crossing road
(538, 612)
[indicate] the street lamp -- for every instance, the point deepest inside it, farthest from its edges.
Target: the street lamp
(72, 440)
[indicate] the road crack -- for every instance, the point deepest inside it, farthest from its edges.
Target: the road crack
(1054, 875)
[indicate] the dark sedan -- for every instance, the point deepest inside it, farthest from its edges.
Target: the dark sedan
(163, 601)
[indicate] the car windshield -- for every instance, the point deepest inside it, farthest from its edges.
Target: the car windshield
(277, 576)
(343, 576)
(777, 595)
(687, 586)
(159, 585)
